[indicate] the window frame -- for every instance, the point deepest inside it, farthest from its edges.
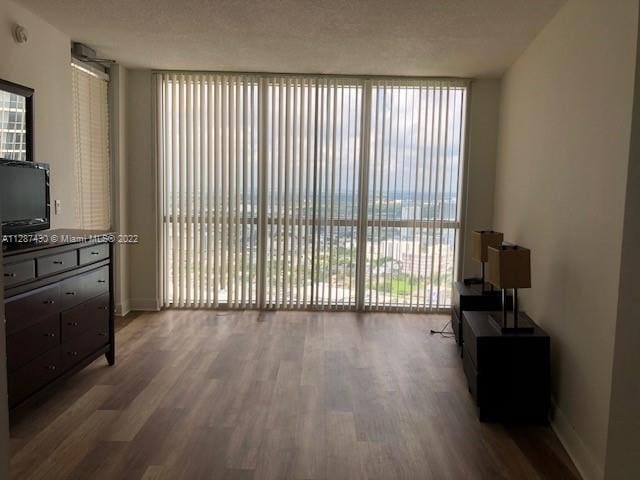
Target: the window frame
(362, 223)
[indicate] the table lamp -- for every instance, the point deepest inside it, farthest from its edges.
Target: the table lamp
(510, 267)
(481, 241)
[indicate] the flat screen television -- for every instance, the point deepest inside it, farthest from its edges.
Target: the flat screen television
(24, 196)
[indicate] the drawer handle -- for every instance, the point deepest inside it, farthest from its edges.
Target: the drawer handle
(73, 354)
(72, 324)
(95, 253)
(50, 367)
(103, 308)
(70, 293)
(50, 335)
(58, 262)
(10, 275)
(102, 334)
(102, 281)
(48, 302)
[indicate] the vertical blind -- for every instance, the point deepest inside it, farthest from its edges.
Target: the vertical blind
(417, 142)
(312, 167)
(308, 192)
(208, 151)
(92, 164)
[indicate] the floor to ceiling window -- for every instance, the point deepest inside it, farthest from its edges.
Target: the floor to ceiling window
(309, 192)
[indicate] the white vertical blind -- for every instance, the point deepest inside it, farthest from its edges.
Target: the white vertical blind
(208, 139)
(413, 219)
(312, 167)
(92, 159)
(309, 192)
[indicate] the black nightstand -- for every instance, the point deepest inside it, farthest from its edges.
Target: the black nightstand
(508, 374)
(471, 298)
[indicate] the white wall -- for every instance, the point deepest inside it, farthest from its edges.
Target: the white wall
(118, 114)
(43, 63)
(561, 176)
(143, 257)
(623, 444)
(481, 167)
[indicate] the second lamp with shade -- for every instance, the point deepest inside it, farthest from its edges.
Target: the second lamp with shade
(482, 240)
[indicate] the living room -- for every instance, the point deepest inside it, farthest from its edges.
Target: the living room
(319, 239)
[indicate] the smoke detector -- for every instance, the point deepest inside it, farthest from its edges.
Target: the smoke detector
(20, 34)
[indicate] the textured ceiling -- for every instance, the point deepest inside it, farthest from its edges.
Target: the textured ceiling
(470, 38)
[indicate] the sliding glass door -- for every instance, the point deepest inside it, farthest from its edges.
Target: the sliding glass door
(309, 192)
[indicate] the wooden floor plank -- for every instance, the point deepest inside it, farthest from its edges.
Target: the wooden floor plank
(260, 395)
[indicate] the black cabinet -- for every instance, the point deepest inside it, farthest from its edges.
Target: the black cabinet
(472, 298)
(58, 308)
(508, 374)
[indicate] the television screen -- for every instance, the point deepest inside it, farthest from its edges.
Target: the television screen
(23, 196)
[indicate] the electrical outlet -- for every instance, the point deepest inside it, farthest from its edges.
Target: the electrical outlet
(56, 207)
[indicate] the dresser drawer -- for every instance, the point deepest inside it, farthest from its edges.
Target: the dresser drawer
(19, 272)
(72, 292)
(94, 253)
(456, 326)
(471, 373)
(95, 336)
(33, 376)
(95, 282)
(30, 342)
(469, 341)
(29, 308)
(91, 314)
(77, 290)
(56, 263)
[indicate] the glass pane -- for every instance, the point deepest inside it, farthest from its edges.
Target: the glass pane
(13, 126)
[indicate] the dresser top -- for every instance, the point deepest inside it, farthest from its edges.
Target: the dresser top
(475, 289)
(46, 239)
(482, 326)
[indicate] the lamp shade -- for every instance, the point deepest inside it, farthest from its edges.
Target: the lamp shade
(483, 239)
(509, 266)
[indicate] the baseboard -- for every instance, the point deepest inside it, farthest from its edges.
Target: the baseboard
(144, 304)
(582, 457)
(123, 308)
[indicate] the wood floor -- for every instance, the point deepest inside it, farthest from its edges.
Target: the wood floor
(276, 395)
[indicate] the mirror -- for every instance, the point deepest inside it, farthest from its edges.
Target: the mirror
(16, 122)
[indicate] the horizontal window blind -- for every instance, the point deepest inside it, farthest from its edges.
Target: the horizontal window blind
(92, 160)
(309, 192)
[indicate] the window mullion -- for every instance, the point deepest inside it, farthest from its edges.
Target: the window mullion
(262, 194)
(361, 250)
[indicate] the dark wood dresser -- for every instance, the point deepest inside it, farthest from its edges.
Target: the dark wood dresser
(58, 299)
(508, 374)
(471, 298)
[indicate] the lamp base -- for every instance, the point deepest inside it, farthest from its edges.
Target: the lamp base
(524, 327)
